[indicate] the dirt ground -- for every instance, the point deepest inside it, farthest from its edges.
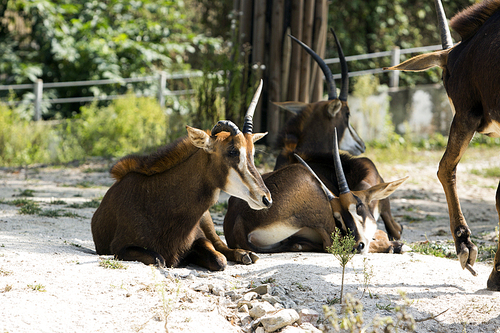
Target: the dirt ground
(50, 283)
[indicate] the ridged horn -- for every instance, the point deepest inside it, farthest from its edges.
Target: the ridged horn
(227, 126)
(339, 172)
(444, 30)
(332, 89)
(344, 70)
(328, 193)
(248, 125)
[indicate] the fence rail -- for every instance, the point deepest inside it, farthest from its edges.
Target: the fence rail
(162, 78)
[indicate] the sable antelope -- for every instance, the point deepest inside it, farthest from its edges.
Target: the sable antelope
(310, 131)
(313, 124)
(471, 73)
(301, 219)
(157, 210)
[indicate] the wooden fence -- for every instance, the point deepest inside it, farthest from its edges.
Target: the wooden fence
(161, 80)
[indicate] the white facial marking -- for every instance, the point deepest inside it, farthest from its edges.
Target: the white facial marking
(366, 234)
(339, 218)
(243, 187)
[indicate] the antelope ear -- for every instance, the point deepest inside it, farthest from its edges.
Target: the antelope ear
(258, 136)
(423, 62)
(200, 139)
(334, 107)
(383, 190)
(293, 107)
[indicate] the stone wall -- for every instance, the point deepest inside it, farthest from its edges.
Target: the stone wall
(419, 111)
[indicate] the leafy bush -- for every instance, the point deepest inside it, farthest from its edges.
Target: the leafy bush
(21, 142)
(128, 125)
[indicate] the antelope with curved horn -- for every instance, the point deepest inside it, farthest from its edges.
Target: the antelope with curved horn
(157, 210)
(309, 203)
(310, 131)
(471, 73)
(313, 124)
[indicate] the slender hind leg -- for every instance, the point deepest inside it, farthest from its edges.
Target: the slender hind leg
(494, 279)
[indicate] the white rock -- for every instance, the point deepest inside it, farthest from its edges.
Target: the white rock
(310, 328)
(273, 322)
(308, 316)
(260, 309)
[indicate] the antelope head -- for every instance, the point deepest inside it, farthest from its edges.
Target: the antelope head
(327, 115)
(350, 209)
(231, 151)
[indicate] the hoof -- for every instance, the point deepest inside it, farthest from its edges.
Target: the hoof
(494, 280)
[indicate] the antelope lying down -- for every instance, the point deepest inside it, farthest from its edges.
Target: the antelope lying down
(305, 211)
(311, 130)
(312, 126)
(471, 77)
(157, 210)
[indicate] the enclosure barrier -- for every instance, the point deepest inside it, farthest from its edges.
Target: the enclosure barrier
(162, 77)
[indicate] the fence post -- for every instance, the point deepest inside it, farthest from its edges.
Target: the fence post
(38, 90)
(395, 59)
(162, 85)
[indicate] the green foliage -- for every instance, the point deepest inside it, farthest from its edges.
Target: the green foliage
(21, 142)
(81, 40)
(129, 125)
(126, 126)
(375, 26)
(342, 248)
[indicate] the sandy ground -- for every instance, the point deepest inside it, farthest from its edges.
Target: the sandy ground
(49, 283)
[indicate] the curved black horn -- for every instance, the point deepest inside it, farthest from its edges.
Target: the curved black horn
(444, 30)
(248, 125)
(344, 70)
(332, 89)
(339, 172)
(328, 193)
(227, 126)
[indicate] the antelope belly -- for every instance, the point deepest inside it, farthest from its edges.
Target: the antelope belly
(271, 235)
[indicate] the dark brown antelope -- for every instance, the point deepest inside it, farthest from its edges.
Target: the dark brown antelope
(311, 129)
(471, 77)
(308, 207)
(157, 210)
(310, 132)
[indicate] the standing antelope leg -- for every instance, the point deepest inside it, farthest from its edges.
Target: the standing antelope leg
(236, 255)
(494, 279)
(460, 136)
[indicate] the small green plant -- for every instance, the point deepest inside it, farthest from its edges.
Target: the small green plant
(367, 277)
(441, 250)
(268, 281)
(112, 264)
(37, 287)
(58, 202)
(342, 248)
(332, 301)
(29, 207)
(301, 287)
(4, 272)
(26, 193)
(493, 172)
(169, 294)
(94, 203)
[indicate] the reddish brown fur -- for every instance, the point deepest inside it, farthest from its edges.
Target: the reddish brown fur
(467, 22)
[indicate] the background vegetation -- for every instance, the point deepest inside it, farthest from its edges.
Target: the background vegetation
(83, 40)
